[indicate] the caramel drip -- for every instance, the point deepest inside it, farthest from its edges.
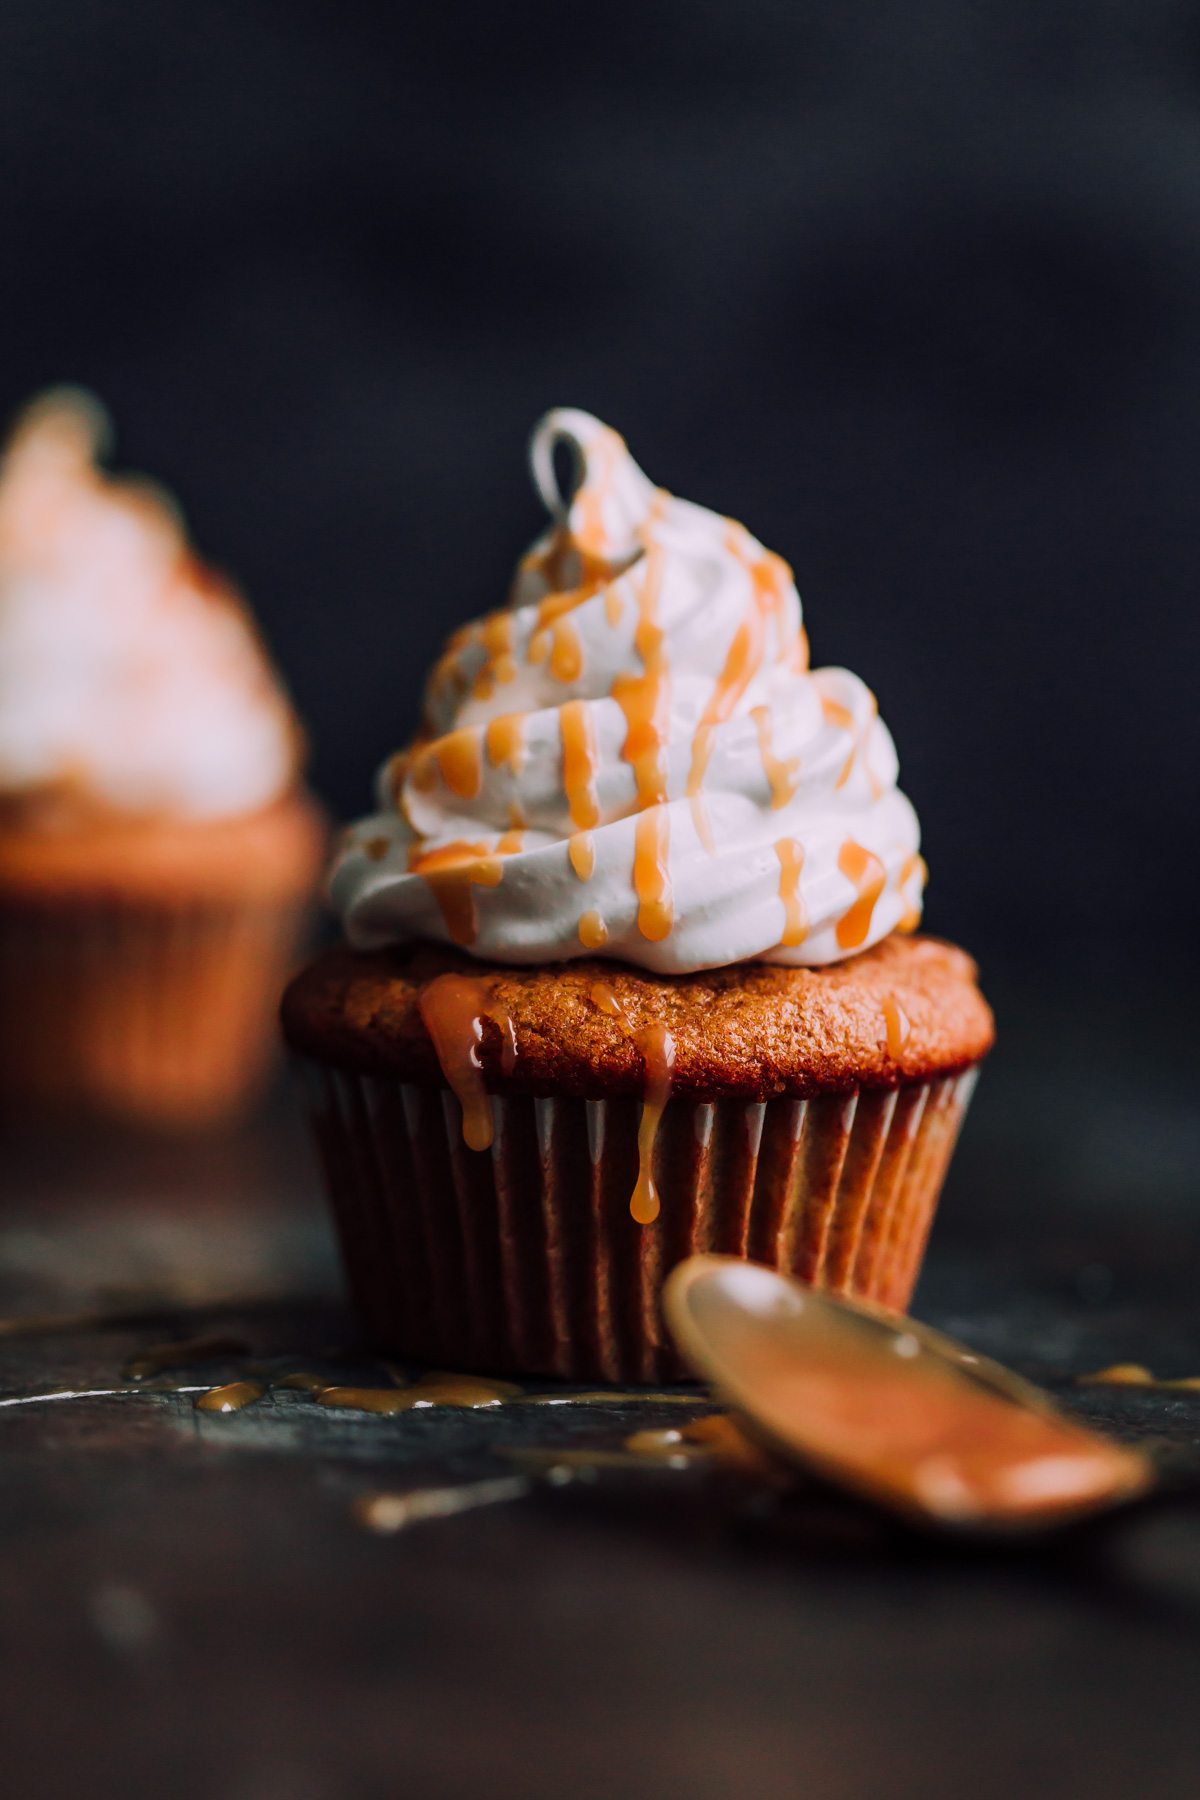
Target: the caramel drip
(658, 1050)
(582, 851)
(495, 633)
(911, 917)
(579, 765)
(453, 1008)
(566, 652)
(506, 742)
(608, 1002)
(459, 758)
(800, 652)
(593, 932)
(783, 776)
(899, 1030)
(645, 698)
(451, 873)
(230, 1398)
(860, 751)
(795, 913)
(769, 576)
(652, 874)
(868, 876)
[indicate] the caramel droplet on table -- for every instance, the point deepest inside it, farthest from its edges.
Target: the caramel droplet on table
(431, 1390)
(376, 1400)
(658, 1048)
(795, 913)
(230, 1398)
(1118, 1375)
(868, 875)
(454, 1008)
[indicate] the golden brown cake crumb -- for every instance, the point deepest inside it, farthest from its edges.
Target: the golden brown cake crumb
(903, 1011)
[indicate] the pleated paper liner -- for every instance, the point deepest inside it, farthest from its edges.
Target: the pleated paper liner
(525, 1259)
(162, 1013)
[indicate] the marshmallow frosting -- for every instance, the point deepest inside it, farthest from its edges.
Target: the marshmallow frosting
(633, 758)
(130, 678)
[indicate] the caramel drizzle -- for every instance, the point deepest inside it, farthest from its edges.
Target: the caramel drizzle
(795, 913)
(453, 1008)
(495, 633)
(554, 635)
(593, 932)
(652, 873)
(453, 870)
(505, 739)
(658, 1054)
(581, 848)
(868, 875)
(911, 917)
(457, 758)
(645, 699)
(899, 1027)
(658, 1050)
(769, 578)
(579, 757)
(783, 776)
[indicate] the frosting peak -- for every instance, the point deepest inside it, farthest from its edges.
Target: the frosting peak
(633, 759)
(131, 680)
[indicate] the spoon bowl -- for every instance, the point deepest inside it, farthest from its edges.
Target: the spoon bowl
(889, 1409)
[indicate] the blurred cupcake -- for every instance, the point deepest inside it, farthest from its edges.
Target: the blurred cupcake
(156, 849)
(628, 975)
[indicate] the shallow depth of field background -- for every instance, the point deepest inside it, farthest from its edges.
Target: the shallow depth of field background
(914, 291)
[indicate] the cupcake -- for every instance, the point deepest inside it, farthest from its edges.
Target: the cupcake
(157, 852)
(629, 971)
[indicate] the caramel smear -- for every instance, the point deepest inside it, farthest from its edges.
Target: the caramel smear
(579, 764)
(453, 1008)
(606, 1000)
(658, 1048)
(505, 740)
(179, 1355)
(868, 875)
(783, 776)
(652, 873)
(795, 913)
(451, 873)
(230, 1398)
(899, 1027)
(593, 932)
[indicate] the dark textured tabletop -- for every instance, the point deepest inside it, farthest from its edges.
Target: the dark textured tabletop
(192, 1607)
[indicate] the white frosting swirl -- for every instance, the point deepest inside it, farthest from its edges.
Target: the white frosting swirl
(633, 760)
(130, 678)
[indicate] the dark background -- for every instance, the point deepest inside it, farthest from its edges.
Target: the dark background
(912, 290)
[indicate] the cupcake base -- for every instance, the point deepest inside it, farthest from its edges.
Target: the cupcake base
(525, 1259)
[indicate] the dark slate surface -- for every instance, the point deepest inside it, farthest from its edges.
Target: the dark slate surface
(188, 1609)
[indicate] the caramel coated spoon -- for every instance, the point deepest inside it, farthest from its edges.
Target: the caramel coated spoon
(888, 1409)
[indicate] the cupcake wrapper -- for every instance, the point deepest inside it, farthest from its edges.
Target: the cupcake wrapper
(526, 1260)
(162, 1013)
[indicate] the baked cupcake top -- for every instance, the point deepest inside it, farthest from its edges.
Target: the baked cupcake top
(132, 684)
(633, 759)
(906, 1010)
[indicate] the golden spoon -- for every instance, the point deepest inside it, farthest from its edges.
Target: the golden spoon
(888, 1409)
